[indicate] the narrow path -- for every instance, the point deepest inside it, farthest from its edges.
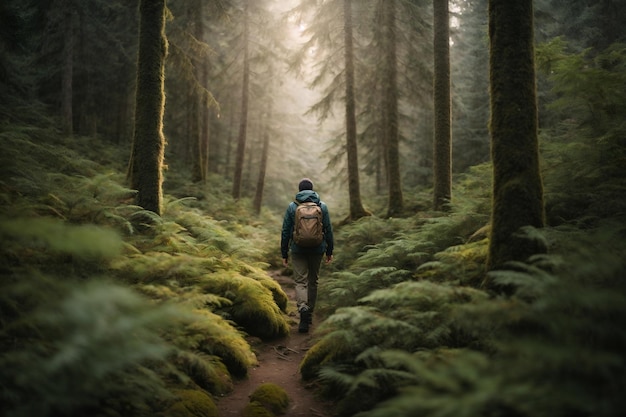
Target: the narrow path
(278, 363)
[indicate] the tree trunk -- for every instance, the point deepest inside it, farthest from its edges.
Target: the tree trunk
(230, 137)
(442, 161)
(390, 109)
(193, 127)
(243, 123)
(201, 132)
(260, 186)
(517, 185)
(148, 143)
(67, 116)
(354, 193)
(204, 123)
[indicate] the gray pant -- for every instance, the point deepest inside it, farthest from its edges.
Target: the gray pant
(306, 271)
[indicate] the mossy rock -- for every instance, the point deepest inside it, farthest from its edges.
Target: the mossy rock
(256, 409)
(271, 397)
(192, 403)
(252, 304)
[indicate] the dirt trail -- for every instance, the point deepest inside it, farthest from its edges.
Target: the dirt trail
(278, 363)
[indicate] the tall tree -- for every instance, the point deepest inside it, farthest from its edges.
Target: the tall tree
(265, 151)
(390, 109)
(67, 117)
(201, 103)
(354, 189)
(245, 97)
(517, 184)
(470, 70)
(148, 150)
(442, 160)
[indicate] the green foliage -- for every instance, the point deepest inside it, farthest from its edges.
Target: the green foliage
(108, 309)
(461, 264)
(386, 252)
(205, 371)
(589, 107)
(397, 342)
(424, 348)
(269, 396)
(211, 334)
(252, 301)
(191, 403)
(256, 409)
(85, 242)
(69, 347)
(409, 315)
(555, 348)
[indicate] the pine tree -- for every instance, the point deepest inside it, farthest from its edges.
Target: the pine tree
(517, 184)
(146, 163)
(354, 189)
(390, 109)
(442, 159)
(245, 98)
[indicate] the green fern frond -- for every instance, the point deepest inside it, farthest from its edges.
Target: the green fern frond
(253, 306)
(258, 274)
(462, 264)
(211, 334)
(93, 342)
(345, 288)
(86, 242)
(206, 371)
(185, 296)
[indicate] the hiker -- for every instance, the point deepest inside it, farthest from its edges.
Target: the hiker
(308, 233)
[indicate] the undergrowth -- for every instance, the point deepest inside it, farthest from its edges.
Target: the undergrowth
(412, 327)
(103, 314)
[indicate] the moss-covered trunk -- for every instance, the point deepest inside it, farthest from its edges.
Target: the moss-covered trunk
(442, 159)
(390, 109)
(517, 185)
(354, 188)
(148, 143)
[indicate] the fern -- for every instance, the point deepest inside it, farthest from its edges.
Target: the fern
(460, 264)
(409, 315)
(90, 343)
(206, 371)
(253, 306)
(345, 288)
(555, 348)
(211, 334)
(253, 302)
(86, 242)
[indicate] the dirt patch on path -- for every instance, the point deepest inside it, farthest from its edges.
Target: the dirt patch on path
(278, 363)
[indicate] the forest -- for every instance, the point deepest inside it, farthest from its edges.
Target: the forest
(472, 154)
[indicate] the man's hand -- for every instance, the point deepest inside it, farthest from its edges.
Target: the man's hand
(329, 258)
(285, 262)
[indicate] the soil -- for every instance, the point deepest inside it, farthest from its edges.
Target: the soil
(278, 363)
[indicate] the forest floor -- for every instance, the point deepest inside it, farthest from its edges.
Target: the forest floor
(278, 363)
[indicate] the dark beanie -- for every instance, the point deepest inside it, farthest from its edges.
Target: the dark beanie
(305, 184)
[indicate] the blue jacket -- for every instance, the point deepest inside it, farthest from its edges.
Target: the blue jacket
(286, 240)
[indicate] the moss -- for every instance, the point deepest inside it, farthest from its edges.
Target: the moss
(192, 403)
(256, 409)
(330, 349)
(272, 397)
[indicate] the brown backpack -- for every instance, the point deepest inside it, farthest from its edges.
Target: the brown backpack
(308, 230)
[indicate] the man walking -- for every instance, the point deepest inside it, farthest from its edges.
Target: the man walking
(306, 251)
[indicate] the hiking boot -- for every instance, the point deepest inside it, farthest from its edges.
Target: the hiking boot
(305, 321)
